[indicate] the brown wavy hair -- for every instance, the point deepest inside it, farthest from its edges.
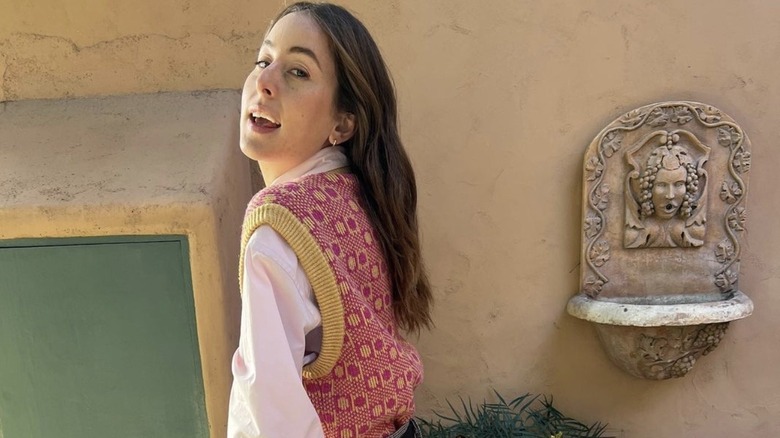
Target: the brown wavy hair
(377, 156)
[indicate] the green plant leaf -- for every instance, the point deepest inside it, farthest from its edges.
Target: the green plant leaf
(525, 416)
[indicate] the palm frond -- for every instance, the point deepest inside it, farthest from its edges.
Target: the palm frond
(525, 416)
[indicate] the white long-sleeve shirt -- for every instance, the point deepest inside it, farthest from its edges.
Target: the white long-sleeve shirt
(278, 311)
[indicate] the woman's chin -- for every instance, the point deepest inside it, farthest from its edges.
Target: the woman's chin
(249, 149)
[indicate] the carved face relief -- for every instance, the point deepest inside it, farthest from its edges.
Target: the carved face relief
(665, 205)
(668, 191)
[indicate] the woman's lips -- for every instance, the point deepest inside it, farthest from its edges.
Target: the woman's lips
(262, 125)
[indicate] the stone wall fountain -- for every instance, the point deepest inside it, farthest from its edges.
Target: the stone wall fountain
(663, 216)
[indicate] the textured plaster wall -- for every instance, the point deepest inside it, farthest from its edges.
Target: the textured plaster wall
(138, 165)
(498, 102)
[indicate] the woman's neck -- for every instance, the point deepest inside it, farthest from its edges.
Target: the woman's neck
(324, 160)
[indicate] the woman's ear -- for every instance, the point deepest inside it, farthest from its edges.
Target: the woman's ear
(344, 129)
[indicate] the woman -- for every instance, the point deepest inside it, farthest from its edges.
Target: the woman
(330, 259)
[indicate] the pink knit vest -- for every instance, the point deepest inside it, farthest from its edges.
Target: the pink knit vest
(362, 383)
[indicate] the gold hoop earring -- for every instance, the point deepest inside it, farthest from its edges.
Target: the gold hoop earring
(334, 143)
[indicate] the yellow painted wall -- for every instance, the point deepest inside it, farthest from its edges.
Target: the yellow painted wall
(498, 101)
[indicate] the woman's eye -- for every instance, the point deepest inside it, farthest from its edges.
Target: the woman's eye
(297, 72)
(262, 63)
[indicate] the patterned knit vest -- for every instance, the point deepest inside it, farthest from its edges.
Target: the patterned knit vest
(362, 383)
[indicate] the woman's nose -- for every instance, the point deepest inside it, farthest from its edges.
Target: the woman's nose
(267, 81)
(670, 192)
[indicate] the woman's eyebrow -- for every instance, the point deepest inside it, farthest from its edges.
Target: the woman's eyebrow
(298, 49)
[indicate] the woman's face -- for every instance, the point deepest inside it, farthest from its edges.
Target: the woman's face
(287, 106)
(668, 191)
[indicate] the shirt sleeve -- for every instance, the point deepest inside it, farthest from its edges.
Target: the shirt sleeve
(268, 398)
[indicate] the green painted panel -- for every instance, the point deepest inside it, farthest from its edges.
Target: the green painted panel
(98, 339)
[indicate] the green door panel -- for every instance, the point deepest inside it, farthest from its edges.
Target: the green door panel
(98, 339)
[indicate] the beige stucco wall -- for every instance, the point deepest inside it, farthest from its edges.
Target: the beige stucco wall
(138, 165)
(498, 102)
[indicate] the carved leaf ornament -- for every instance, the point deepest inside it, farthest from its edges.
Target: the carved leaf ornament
(730, 192)
(592, 225)
(726, 281)
(737, 219)
(599, 253)
(681, 115)
(742, 161)
(601, 197)
(725, 252)
(593, 286)
(611, 143)
(728, 136)
(594, 167)
(632, 118)
(709, 114)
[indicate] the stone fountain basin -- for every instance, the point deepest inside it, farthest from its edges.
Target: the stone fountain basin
(654, 311)
(660, 337)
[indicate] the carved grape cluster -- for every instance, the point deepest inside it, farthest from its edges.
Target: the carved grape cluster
(710, 336)
(646, 196)
(692, 188)
(675, 354)
(681, 366)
